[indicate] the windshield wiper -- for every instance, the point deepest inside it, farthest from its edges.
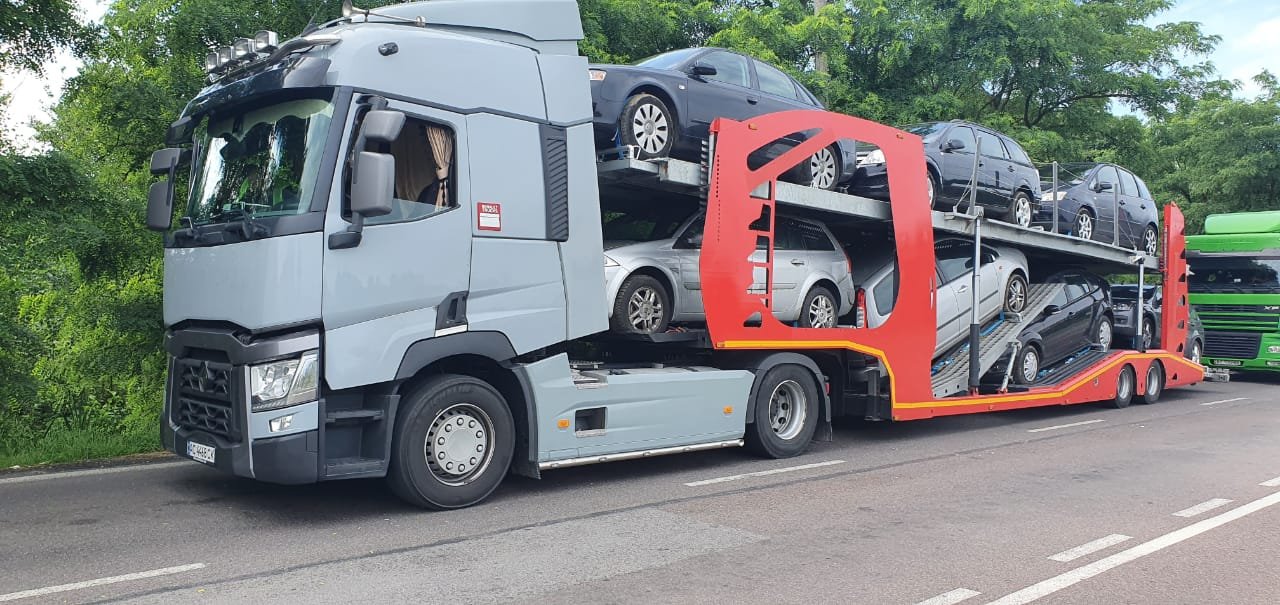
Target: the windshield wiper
(239, 218)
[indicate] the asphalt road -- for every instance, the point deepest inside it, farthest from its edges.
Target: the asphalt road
(1170, 503)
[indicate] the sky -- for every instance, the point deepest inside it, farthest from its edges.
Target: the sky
(1250, 31)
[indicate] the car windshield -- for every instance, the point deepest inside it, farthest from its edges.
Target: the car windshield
(1234, 274)
(928, 131)
(1073, 172)
(668, 60)
(259, 163)
(659, 223)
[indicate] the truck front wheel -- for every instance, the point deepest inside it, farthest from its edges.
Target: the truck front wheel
(453, 442)
(786, 412)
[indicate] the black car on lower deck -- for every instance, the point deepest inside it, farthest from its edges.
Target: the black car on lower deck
(1123, 299)
(1078, 318)
(1007, 182)
(664, 106)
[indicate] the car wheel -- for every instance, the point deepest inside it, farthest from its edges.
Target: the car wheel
(825, 167)
(786, 412)
(1148, 329)
(1020, 210)
(1084, 224)
(1150, 241)
(649, 125)
(932, 190)
(453, 442)
(1015, 294)
(819, 309)
(1124, 387)
(1105, 333)
(1195, 352)
(1027, 367)
(1155, 383)
(643, 306)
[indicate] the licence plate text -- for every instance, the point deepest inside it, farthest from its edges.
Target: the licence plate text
(201, 452)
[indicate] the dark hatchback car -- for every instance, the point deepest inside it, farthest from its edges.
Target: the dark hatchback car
(1091, 195)
(664, 105)
(1080, 316)
(1007, 181)
(1123, 299)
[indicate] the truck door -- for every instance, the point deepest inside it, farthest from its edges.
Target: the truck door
(396, 285)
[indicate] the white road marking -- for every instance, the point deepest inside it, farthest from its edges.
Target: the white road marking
(1271, 482)
(1224, 401)
(39, 592)
(1203, 507)
(951, 598)
(1064, 426)
(93, 471)
(1090, 548)
(1079, 574)
(762, 473)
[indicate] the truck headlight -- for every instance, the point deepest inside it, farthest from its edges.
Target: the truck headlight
(280, 384)
(1273, 349)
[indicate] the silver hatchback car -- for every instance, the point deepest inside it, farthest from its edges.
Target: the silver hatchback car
(651, 284)
(1002, 280)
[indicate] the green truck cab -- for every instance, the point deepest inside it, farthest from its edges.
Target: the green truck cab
(1235, 288)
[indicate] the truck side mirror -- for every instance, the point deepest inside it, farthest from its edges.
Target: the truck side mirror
(953, 145)
(160, 196)
(701, 69)
(373, 184)
(382, 125)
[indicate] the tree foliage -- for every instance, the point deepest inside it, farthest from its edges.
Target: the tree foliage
(31, 30)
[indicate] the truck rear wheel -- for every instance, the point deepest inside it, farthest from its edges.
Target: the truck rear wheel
(1124, 387)
(1155, 383)
(452, 445)
(786, 412)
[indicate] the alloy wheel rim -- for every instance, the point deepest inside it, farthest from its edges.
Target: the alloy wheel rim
(1084, 226)
(1149, 242)
(823, 165)
(644, 309)
(822, 312)
(649, 126)
(1104, 335)
(1023, 211)
(1030, 365)
(1195, 352)
(1146, 335)
(1017, 295)
(459, 444)
(787, 409)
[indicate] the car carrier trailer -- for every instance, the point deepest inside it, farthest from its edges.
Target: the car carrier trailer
(331, 333)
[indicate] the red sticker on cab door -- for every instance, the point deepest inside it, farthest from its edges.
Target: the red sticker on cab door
(488, 216)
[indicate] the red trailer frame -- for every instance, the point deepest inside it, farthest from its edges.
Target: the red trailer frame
(740, 319)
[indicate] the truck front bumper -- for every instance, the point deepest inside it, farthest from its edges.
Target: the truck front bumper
(292, 458)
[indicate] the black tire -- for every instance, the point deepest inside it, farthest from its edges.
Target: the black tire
(427, 412)
(1105, 335)
(1026, 368)
(1155, 383)
(1086, 225)
(819, 308)
(783, 427)
(1020, 210)
(825, 168)
(1015, 294)
(1150, 241)
(649, 125)
(1125, 383)
(643, 306)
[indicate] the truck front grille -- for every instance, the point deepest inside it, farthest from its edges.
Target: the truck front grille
(1247, 318)
(204, 397)
(1232, 345)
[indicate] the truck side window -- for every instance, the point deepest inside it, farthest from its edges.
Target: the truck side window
(424, 154)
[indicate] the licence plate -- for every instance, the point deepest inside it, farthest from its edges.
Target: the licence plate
(201, 452)
(1228, 362)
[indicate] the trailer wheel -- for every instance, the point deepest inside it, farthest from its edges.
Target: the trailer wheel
(643, 306)
(786, 412)
(1155, 383)
(452, 444)
(1124, 387)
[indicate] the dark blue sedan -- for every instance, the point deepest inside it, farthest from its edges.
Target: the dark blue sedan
(1090, 197)
(664, 105)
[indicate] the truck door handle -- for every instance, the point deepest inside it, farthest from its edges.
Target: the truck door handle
(797, 261)
(1010, 168)
(753, 100)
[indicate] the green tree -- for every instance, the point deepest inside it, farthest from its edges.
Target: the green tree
(31, 30)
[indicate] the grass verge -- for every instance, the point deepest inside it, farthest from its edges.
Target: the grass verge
(78, 445)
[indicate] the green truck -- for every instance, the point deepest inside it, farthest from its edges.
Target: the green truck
(1235, 288)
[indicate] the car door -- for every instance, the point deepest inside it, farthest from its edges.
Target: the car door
(688, 249)
(778, 90)
(1105, 202)
(957, 164)
(1131, 223)
(954, 296)
(1075, 331)
(994, 172)
(791, 265)
(728, 93)
(989, 280)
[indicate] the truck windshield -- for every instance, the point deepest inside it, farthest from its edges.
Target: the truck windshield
(1234, 274)
(259, 163)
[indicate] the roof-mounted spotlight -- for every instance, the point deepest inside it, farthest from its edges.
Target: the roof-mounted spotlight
(265, 41)
(242, 48)
(211, 62)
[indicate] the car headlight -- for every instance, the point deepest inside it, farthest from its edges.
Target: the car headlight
(609, 262)
(280, 384)
(597, 75)
(872, 158)
(1124, 307)
(1049, 196)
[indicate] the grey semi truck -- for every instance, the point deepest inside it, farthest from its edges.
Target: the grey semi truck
(388, 251)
